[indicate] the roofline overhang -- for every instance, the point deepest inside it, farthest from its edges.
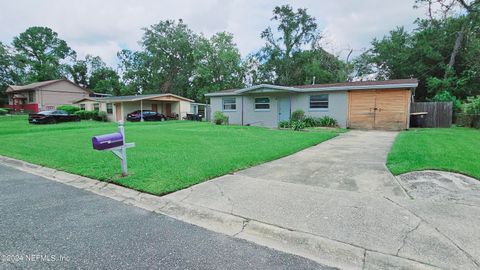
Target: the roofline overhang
(317, 89)
(111, 99)
(360, 87)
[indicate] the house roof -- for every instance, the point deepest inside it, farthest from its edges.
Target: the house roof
(363, 85)
(36, 85)
(132, 98)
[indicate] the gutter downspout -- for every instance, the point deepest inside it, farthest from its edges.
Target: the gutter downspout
(141, 110)
(242, 110)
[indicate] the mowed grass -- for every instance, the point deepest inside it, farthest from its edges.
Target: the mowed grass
(447, 149)
(168, 155)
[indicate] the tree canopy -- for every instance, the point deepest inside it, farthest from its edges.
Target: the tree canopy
(442, 52)
(292, 54)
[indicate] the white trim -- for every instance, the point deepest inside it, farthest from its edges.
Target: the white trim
(319, 110)
(360, 87)
(220, 94)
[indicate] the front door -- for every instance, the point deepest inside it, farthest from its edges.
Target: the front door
(168, 109)
(283, 109)
(118, 112)
(154, 107)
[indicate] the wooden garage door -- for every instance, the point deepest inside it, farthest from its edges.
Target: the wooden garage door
(379, 109)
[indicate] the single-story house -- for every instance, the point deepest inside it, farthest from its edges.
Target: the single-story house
(363, 105)
(46, 95)
(117, 107)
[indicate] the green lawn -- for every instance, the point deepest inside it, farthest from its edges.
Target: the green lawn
(447, 149)
(168, 155)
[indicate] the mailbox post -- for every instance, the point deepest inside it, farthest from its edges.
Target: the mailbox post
(114, 142)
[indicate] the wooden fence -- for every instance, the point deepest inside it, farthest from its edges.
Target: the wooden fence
(439, 113)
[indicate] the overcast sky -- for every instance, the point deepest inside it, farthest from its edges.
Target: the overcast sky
(103, 27)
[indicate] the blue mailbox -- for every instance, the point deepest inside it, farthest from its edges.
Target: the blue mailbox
(116, 143)
(107, 141)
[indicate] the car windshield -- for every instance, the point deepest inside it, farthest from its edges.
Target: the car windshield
(46, 112)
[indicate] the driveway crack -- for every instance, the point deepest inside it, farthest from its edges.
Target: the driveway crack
(224, 196)
(244, 224)
(468, 255)
(364, 259)
(404, 240)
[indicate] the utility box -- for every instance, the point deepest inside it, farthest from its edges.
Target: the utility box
(107, 141)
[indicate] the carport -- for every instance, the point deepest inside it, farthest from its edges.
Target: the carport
(172, 106)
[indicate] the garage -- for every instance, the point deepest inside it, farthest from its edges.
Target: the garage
(379, 109)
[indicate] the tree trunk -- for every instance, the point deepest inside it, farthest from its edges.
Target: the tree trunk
(456, 49)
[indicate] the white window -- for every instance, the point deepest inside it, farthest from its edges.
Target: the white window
(109, 108)
(262, 104)
(96, 106)
(82, 107)
(319, 101)
(229, 104)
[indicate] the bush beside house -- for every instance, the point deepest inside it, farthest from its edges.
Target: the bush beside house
(92, 115)
(220, 119)
(299, 121)
(69, 108)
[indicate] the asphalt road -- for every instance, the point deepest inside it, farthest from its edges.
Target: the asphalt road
(45, 224)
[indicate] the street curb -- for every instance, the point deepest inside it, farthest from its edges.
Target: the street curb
(316, 248)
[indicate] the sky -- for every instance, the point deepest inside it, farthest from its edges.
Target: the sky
(103, 27)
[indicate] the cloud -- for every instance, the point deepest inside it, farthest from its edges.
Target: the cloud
(104, 27)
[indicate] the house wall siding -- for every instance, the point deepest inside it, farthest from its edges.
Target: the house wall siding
(57, 94)
(234, 117)
(338, 108)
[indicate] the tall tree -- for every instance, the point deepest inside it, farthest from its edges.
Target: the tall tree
(137, 72)
(218, 65)
(43, 53)
(471, 9)
(292, 54)
(295, 29)
(105, 80)
(82, 70)
(170, 46)
(425, 53)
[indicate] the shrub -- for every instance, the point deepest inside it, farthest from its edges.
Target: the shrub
(298, 115)
(285, 124)
(87, 115)
(472, 105)
(298, 125)
(69, 108)
(311, 121)
(328, 121)
(100, 116)
(220, 119)
(3, 111)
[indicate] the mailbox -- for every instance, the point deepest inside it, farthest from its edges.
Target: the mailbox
(107, 141)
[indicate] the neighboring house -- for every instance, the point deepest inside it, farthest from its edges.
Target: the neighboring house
(363, 105)
(45, 95)
(117, 107)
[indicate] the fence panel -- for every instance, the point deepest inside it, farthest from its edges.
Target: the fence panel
(439, 113)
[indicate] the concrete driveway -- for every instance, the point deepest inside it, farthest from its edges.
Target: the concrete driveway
(338, 204)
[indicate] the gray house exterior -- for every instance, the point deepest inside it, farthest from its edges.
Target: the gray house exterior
(267, 105)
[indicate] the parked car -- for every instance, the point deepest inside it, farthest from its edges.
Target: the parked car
(148, 115)
(52, 117)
